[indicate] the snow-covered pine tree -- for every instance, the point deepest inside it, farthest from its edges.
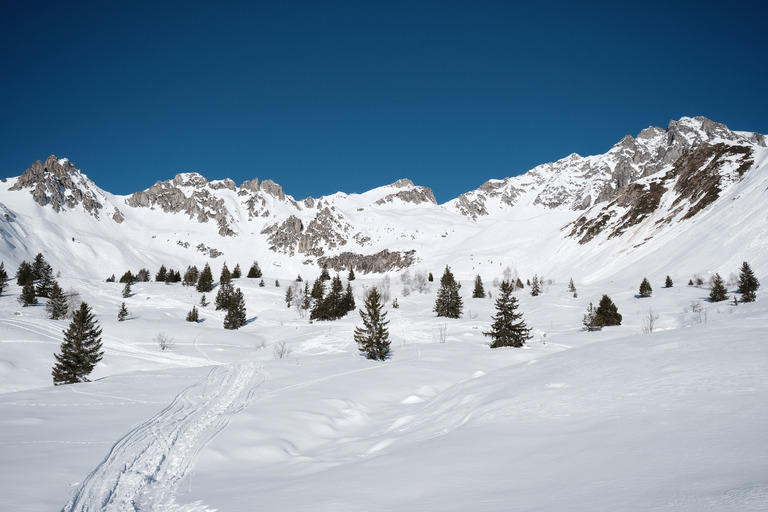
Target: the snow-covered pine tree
(373, 337)
(590, 319)
(24, 274)
(479, 291)
(224, 296)
(571, 286)
(45, 281)
(508, 328)
(748, 283)
(448, 303)
(254, 272)
(161, 274)
(289, 296)
(718, 292)
(535, 286)
(237, 273)
(205, 281)
(226, 275)
(236, 313)
(3, 277)
(80, 350)
(56, 307)
(645, 288)
(324, 275)
(122, 313)
(668, 282)
(351, 274)
(127, 290)
(193, 315)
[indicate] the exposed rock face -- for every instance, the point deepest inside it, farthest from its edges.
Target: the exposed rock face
(59, 184)
(694, 182)
(383, 261)
(284, 236)
(415, 195)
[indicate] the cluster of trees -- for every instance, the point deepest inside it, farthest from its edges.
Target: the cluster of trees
(748, 285)
(333, 305)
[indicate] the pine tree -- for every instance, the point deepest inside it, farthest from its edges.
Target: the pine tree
(193, 315)
(80, 350)
(24, 274)
(288, 296)
(190, 276)
(224, 296)
(127, 277)
(38, 266)
(306, 300)
(142, 276)
(645, 288)
(607, 314)
(56, 307)
(668, 282)
(448, 303)
(571, 286)
(205, 281)
(127, 290)
(748, 283)
(373, 337)
(45, 281)
(111, 279)
(349, 299)
(122, 313)
(203, 301)
(351, 275)
(479, 291)
(718, 292)
(519, 284)
(324, 275)
(508, 329)
(535, 287)
(236, 314)
(3, 277)
(430, 278)
(299, 279)
(161, 274)
(27, 297)
(254, 272)
(261, 284)
(318, 290)
(226, 275)
(237, 273)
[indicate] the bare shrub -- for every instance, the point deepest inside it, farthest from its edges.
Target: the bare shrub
(73, 301)
(649, 321)
(420, 282)
(281, 350)
(164, 341)
(441, 333)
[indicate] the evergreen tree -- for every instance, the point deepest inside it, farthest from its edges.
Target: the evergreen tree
(224, 296)
(122, 313)
(373, 337)
(127, 290)
(127, 277)
(448, 302)
(324, 275)
(349, 299)
(38, 266)
(277, 283)
(607, 314)
(535, 287)
(111, 279)
(45, 281)
(306, 300)
(56, 307)
(205, 281)
(161, 274)
(519, 284)
(299, 278)
(571, 286)
(203, 301)
(3, 277)
(351, 274)
(193, 315)
(289, 296)
(236, 314)
(27, 297)
(333, 306)
(718, 292)
(80, 350)
(261, 284)
(479, 291)
(668, 282)
(142, 276)
(254, 272)
(226, 275)
(318, 290)
(24, 274)
(645, 288)
(508, 328)
(430, 278)
(191, 276)
(748, 283)
(237, 273)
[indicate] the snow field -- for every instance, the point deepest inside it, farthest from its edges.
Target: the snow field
(611, 420)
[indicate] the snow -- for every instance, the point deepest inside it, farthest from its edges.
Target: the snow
(611, 420)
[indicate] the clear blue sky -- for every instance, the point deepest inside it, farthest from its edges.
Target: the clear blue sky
(322, 96)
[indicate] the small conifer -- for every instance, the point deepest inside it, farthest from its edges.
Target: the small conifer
(645, 288)
(508, 329)
(80, 350)
(718, 292)
(748, 283)
(373, 337)
(122, 313)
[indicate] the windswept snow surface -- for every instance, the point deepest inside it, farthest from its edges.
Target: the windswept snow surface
(614, 420)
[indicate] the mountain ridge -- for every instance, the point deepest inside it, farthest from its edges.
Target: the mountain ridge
(670, 176)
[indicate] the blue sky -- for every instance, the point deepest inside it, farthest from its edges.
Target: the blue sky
(322, 96)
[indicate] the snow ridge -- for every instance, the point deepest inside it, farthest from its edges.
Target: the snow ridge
(144, 468)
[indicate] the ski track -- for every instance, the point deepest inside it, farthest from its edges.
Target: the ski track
(145, 467)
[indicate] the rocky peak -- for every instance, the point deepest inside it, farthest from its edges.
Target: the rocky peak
(59, 183)
(411, 194)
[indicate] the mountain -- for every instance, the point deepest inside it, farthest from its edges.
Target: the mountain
(592, 216)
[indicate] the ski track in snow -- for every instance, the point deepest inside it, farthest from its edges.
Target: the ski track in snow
(145, 467)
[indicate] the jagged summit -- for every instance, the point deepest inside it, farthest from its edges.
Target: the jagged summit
(643, 189)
